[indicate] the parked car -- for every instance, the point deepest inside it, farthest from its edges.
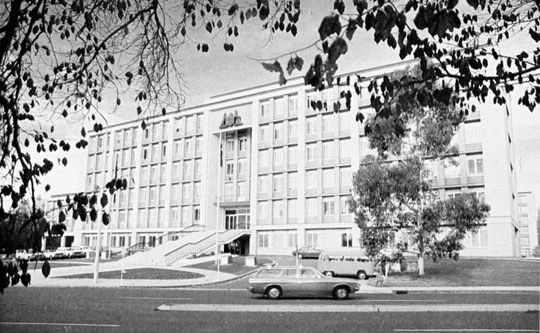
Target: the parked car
(307, 252)
(48, 255)
(346, 262)
(23, 255)
(300, 281)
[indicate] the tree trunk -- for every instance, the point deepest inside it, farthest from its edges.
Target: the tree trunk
(421, 271)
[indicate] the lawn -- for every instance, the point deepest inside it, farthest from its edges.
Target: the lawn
(238, 266)
(471, 272)
(140, 273)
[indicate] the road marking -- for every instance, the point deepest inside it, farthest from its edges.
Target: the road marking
(160, 298)
(464, 330)
(55, 324)
(404, 300)
(349, 308)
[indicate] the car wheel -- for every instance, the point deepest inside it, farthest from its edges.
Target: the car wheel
(273, 293)
(300, 256)
(341, 293)
(330, 274)
(361, 275)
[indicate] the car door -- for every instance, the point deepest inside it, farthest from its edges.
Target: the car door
(290, 282)
(310, 283)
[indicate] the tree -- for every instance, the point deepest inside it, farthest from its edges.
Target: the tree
(391, 202)
(73, 58)
(457, 45)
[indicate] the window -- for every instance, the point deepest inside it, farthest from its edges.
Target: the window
(163, 173)
(476, 166)
(278, 131)
(344, 122)
(311, 207)
(293, 104)
(328, 123)
(293, 128)
(262, 210)
(265, 109)
(196, 214)
(144, 175)
(311, 179)
(188, 169)
(344, 205)
(293, 154)
(279, 109)
(229, 146)
(197, 191)
(263, 158)
(91, 162)
(242, 166)
(143, 196)
(176, 170)
(186, 218)
(263, 133)
(145, 155)
(125, 157)
(188, 147)
(473, 133)
(229, 173)
(198, 168)
(242, 191)
(278, 157)
(156, 131)
(165, 130)
(451, 168)
(311, 152)
(291, 208)
(229, 190)
(175, 193)
(277, 209)
(328, 150)
(263, 240)
(198, 145)
(311, 125)
(186, 192)
(328, 178)
(329, 208)
(263, 184)
(345, 177)
(198, 124)
(291, 181)
(312, 239)
(346, 239)
(277, 183)
(243, 144)
(190, 124)
(345, 148)
(154, 174)
(178, 126)
(153, 196)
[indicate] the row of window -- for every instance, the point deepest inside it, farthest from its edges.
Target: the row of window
(278, 108)
(328, 177)
(315, 207)
(188, 125)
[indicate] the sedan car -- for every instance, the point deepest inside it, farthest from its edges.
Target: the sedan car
(300, 281)
(307, 253)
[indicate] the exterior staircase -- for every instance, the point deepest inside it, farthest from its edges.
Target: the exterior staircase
(191, 245)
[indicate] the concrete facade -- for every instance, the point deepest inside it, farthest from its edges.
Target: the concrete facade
(265, 160)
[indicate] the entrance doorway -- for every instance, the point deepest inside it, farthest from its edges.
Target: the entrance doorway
(237, 219)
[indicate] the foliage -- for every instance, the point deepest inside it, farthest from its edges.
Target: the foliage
(71, 58)
(536, 251)
(455, 43)
(392, 200)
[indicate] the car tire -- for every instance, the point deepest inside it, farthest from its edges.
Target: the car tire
(300, 256)
(273, 292)
(329, 273)
(341, 293)
(361, 275)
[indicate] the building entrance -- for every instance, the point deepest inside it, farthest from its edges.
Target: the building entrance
(237, 219)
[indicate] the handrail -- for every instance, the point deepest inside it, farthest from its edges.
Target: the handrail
(142, 245)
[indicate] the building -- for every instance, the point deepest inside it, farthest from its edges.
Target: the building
(263, 160)
(528, 227)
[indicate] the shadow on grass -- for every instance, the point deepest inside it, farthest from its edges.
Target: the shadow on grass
(471, 272)
(237, 267)
(140, 274)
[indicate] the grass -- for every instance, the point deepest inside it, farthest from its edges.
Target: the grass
(140, 273)
(238, 266)
(471, 272)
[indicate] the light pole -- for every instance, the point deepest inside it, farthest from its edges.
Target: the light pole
(217, 201)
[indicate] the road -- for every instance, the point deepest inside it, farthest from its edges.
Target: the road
(225, 308)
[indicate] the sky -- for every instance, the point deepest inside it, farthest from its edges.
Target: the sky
(218, 72)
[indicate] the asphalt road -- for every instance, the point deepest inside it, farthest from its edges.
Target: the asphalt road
(227, 309)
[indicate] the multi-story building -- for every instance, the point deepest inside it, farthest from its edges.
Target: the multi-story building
(262, 159)
(527, 223)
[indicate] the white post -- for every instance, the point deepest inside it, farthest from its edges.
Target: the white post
(217, 202)
(98, 246)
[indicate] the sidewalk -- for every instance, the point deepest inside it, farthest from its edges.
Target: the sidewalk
(212, 278)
